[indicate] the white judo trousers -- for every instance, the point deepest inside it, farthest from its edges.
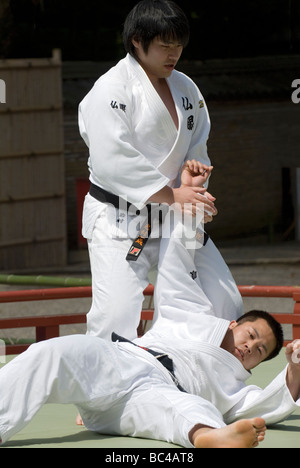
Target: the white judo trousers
(118, 284)
(117, 391)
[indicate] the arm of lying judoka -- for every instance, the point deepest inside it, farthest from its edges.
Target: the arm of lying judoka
(275, 403)
(115, 164)
(181, 304)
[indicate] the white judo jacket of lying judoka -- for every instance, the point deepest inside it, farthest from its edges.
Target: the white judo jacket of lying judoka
(204, 369)
(189, 331)
(135, 148)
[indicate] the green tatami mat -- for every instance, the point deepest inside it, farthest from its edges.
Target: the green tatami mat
(54, 426)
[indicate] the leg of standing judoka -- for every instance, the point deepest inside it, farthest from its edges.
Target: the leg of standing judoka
(118, 285)
(217, 282)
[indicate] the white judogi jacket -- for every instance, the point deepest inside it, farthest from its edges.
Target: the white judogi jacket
(204, 369)
(187, 328)
(135, 148)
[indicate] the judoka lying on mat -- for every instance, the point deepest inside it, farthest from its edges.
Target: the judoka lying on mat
(185, 384)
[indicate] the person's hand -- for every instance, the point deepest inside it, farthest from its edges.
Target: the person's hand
(195, 174)
(208, 216)
(292, 353)
(186, 196)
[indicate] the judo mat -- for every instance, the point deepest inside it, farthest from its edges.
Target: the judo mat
(54, 426)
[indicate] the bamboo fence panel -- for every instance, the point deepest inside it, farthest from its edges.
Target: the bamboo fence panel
(32, 171)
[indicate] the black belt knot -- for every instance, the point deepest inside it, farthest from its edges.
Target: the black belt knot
(164, 359)
(119, 203)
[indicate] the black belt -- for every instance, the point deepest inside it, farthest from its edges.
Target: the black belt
(139, 243)
(106, 197)
(118, 202)
(162, 358)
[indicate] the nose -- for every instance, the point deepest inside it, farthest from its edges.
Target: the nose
(175, 53)
(247, 349)
(172, 57)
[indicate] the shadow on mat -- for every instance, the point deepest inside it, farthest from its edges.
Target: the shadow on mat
(84, 436)
(285, 426)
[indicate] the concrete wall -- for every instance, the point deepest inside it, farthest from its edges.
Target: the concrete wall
(255, 134)
(250, 144)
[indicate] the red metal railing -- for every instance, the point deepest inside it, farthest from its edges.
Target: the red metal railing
(269, 291)
(48, 326)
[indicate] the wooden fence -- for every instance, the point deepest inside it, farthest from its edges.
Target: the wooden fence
(32, 175)
(48, 326)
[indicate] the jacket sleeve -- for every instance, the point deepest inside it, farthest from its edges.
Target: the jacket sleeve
(273, 404)
(198, 146)
(114, 163)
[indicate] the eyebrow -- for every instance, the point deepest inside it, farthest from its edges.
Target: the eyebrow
(167, 41)
(258, 336)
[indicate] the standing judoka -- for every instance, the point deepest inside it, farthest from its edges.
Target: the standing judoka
(141, 121)
(183, 382)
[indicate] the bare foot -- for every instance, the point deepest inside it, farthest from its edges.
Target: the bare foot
(79, 421)
(246, 433)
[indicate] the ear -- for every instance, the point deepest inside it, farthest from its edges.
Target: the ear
(233, 324)
(135, 43)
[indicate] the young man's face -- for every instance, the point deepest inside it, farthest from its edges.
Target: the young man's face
(250, 342)
(161, 58)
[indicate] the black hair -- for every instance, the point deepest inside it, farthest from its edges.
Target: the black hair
(275, 326)
(155, 18)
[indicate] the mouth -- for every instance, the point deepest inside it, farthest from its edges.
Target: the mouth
(170, 66)
(240, 354)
